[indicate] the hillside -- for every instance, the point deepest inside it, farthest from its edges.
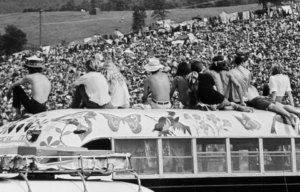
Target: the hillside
(70, 26)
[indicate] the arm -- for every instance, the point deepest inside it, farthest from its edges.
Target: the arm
(18, 83)
(146, 91)
(173, 88)
(237, 87)
(78, 82)
(273, 88)
(273, 95)
(289, 92)
(291, 98)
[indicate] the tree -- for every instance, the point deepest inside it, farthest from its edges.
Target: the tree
(13, 40)
(264, 3)
(274, 2)
(159, 7)
(139, 15)
(93, 4)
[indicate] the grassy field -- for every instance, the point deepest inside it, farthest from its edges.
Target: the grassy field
(70, 26)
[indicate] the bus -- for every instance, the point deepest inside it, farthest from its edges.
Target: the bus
(178, 150)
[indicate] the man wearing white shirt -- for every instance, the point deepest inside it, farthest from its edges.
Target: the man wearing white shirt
(279, 85)
(91, 89)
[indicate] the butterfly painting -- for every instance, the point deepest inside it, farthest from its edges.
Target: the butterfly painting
(132, 120)
(248, 123)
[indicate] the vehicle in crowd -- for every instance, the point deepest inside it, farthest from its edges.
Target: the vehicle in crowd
(172, 150)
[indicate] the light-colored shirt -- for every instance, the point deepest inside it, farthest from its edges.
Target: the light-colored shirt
(280, 84)
(121, 95)
(96, 87)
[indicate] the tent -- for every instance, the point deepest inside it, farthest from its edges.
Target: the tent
(118, 34)
(287, 9)
(232, 16)
(192, 38)
(224, 17)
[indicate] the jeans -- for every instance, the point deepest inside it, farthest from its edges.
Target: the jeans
(30, 105)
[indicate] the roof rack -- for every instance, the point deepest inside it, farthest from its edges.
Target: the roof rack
(83, 166)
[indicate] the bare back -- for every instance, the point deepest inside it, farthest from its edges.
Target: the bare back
(40, 87)
(159, 85)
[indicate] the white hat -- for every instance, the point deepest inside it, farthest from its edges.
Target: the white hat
(153, 65)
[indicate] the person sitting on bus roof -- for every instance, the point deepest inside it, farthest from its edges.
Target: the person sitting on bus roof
(118, 89)
(243, 77)
(280, 84)
(40, 89)
(159, 84)
(91, 89)
(267, 104)
(180, 83)
(209, 95)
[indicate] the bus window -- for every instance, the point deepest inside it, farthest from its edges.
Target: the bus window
(211, 155)
(144, 154)
(277, 154)
(297, 141)
(244, 154)
(98, 144)
(177, 155)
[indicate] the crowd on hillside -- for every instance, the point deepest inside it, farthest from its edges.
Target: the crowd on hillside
(267, 41)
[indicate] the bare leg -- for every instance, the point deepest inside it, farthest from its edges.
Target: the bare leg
(233, 106)
(281, 111)
(290, 109)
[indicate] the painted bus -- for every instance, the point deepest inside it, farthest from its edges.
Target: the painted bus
(178, 150)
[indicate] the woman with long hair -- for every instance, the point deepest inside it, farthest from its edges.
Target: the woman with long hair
(118, 89)
(181, 85)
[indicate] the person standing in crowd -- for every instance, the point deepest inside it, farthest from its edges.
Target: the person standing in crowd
(118, 89)
(158, 84)
(279, 85)
(40, 90)
(181, 85)
(91, 89)
(243, 77)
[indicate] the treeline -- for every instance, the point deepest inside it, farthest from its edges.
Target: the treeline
(117, 5)
(124, 5)
(70, 5)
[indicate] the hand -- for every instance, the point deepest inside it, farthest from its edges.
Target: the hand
(243, 104)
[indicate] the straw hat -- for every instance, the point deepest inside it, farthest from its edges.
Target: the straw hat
(153, 65)
(34, 62)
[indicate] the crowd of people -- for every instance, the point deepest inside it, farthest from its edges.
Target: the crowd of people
(265, 41)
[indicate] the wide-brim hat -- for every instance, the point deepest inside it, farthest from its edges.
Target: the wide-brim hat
(153, 65)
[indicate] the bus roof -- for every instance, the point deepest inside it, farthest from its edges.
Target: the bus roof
(75, 127)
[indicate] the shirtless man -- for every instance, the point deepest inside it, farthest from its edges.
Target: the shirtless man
(40, 89)
(159, 84)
